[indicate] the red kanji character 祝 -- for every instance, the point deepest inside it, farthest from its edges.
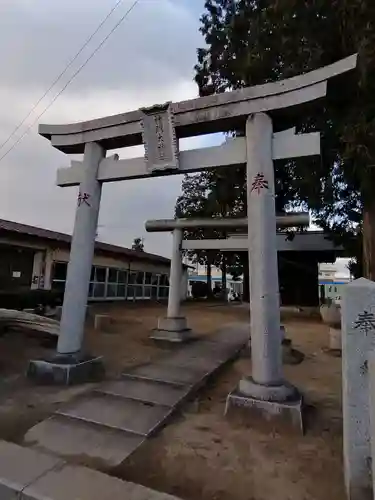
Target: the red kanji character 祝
(83, 198)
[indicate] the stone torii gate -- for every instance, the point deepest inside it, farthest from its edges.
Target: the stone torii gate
(173, 327)
(159, 128)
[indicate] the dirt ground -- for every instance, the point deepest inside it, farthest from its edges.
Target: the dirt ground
(201, 455)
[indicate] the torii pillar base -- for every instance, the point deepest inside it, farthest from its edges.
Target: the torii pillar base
(280, 405)
(172, 330)
(66, 370)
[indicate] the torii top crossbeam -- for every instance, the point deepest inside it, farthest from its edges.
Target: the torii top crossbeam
(215, 113)
(166, 225)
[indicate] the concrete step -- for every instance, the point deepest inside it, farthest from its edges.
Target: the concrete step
(19, 467)
(217, 348)
(148, 391)
(104, 427)
(194, 362)
(163, 372)
(212, 351)
(83, 442)
(32, 475)
(80, 483)
(117, 413)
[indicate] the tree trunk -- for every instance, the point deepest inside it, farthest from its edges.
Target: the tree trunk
(224, 278)
(209, 278)
(369, 239)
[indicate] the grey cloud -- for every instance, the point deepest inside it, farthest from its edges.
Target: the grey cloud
(155, 42)
(150, 59)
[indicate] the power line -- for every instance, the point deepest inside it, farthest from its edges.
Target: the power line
(58, 78)
(71, 79)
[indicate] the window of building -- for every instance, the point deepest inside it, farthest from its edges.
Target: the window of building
(139, 279)
(163, 292)
(59, 271)
(130, 294)
(98, 282)
(132, 278)
(163, 288)
(112, 282)
(111, 290)
(115, 283)
(58, 278)
(122, 276)
(155, 286)
(99, 290)
(164, 280)
(112, 275)
(100, 274)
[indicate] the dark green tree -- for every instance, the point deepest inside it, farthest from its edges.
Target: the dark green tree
(138, 245)
(208, 194)
(193, 204)
(258, 41)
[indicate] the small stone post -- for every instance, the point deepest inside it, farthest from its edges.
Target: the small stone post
(358, 340)
(174, 328)
(266, 389)
(69, 348)
(371, 371)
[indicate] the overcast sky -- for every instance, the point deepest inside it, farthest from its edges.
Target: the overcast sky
(148, 60)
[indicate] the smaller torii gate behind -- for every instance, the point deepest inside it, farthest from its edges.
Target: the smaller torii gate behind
(174, 326)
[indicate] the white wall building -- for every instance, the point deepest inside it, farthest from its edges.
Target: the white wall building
(32, 257)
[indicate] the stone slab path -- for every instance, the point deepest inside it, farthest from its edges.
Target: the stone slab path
(27, 474)
(102, 428)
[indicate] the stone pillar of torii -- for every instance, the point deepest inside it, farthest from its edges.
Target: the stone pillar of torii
(173, 327)
(159, 128)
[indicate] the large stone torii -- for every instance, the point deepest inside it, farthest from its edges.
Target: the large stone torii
(159, 128)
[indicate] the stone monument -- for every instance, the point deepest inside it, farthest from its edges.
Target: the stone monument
(358, 341)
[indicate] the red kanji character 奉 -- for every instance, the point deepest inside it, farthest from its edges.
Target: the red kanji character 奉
(259, 183)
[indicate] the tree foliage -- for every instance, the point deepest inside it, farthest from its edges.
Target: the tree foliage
(210, 194)
(138, 245)
(259, 41)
